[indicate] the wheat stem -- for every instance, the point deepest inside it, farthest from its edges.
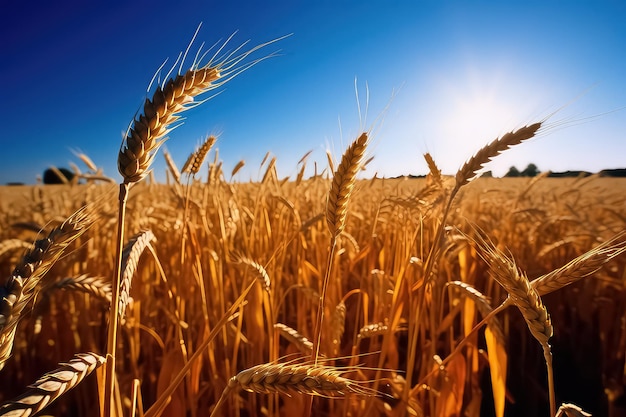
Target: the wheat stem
(115, 303)
(547, 354)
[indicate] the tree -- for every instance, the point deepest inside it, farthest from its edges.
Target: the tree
(530, 171)
(52, 175)
(513, 172)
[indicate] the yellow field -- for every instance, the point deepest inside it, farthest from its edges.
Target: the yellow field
(397, 332)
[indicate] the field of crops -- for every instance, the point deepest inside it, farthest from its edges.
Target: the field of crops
(235, 272)
(323, 295)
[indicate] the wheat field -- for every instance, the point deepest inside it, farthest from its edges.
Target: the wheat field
(324, 295)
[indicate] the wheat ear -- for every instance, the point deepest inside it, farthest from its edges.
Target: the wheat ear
(343, 184)
(237, 167)
(292, 335)
(338, 326)
(195, 160)
(257, 268)
(504, 271)
(52, 385)
(96, 286)
(146, 135)
(21, 287)
(482, 305)
(582, 266)
(372, 330)
(172, 166)
(571, 410)
(9, 245)
(485, 154)
(130, 259)
(287, 379)
(169, 100)
(434, 171)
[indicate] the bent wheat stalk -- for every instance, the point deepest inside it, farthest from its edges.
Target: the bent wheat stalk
(257, 268)
(295, 338)
(130, 259)
(9, 245)
(21, 287)
(95, 286)
(582, 266)
(487, 153)
(571, 410)
(52, 385)
(521, 293)
(463, 176)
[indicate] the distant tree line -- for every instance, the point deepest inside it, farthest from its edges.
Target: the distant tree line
(63, 175)
(531, 171)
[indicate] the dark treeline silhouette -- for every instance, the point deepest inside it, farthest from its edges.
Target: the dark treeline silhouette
(618, 172)
(569, 174)
(52, 176)
(530, 171)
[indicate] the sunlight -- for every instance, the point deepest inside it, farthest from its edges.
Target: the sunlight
(480, 115)
(479, 105)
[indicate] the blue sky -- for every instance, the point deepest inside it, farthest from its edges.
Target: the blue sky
(443, 77)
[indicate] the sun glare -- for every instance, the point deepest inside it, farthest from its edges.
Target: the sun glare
(478, 107)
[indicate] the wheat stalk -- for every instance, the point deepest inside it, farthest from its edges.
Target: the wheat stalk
(336, 212)
(435, 172)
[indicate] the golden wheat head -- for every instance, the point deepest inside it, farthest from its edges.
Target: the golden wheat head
(178, 94)
(343, 184)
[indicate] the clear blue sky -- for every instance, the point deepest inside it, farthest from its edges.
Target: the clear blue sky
(460, 73)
